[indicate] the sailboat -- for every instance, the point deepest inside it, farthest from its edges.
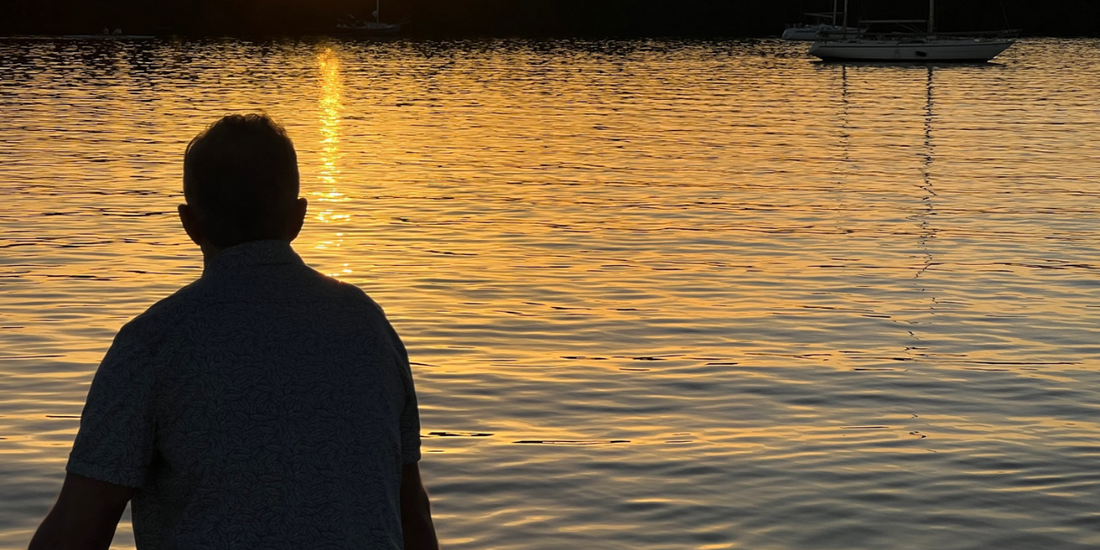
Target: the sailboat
(821, 29)
(914, 45)
(376, 27)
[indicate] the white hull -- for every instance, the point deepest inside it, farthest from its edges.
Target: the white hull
(809, 33)
(926, 49)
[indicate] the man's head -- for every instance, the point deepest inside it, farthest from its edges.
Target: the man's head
(240, 180)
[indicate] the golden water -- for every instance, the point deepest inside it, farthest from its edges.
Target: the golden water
(659, 294)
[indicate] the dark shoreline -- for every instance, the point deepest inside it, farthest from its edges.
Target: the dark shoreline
(525, 18)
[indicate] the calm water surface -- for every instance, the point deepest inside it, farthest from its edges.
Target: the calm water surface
(659, 295)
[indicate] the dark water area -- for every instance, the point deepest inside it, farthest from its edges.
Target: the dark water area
(527, 18)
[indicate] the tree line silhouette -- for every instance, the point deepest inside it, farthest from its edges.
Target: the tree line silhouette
(533, 18)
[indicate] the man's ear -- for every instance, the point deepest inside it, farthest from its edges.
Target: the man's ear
(299, 218)
(191, 224)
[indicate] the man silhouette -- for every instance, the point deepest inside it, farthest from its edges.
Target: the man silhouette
(262, 406)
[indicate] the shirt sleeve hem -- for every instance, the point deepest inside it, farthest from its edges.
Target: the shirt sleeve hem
(106, 475)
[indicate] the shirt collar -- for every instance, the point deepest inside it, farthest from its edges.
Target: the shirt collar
(251, 254)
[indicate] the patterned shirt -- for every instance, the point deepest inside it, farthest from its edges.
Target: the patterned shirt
(263, 406)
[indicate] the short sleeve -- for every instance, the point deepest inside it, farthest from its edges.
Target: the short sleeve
(410, 428)
(115, 441)
(410, 413)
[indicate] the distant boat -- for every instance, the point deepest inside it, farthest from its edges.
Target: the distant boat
(914, 45)
(821, 29)
(931, 47)
(377, 27)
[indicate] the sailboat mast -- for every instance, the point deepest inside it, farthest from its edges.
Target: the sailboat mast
(845, 17)
(931, 16)
(377, 4)
(834, 13)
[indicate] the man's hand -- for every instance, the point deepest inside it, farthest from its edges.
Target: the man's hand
(416, 515)
(85, 516)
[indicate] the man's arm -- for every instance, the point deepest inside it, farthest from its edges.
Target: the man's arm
(85, 516)
(416, 514)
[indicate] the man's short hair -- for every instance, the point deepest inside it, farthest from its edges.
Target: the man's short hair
(240, 177)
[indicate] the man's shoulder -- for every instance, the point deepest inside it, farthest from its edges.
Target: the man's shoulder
(179, 309)
(159, 319)
(345, 292)
(350, 298)
(171, 306)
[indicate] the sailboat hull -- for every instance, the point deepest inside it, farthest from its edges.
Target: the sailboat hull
(929, 49)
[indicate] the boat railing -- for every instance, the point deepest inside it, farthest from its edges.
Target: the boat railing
(1007, 34)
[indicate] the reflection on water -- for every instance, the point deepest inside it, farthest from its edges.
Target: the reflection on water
(927, 215)
(327, 197)
(659, 294)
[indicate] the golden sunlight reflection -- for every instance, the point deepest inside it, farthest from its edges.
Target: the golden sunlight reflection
(330, 107)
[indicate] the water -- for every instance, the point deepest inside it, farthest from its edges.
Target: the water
(659, 294)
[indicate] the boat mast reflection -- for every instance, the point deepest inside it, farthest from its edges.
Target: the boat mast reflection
(927, 232)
